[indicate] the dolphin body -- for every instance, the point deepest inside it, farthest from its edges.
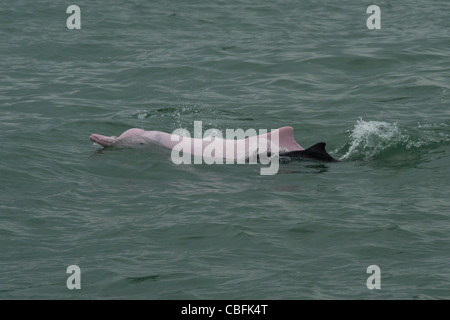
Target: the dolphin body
(287, 146)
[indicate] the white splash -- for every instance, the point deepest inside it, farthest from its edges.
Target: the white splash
(371, 137)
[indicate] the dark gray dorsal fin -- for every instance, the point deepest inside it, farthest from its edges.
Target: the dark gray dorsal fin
(316, 152)
(318, 147)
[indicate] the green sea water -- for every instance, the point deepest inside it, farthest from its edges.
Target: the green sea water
(140, 227)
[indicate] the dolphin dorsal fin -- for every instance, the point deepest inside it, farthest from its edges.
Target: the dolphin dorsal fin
(286, 139)
(316, 152)
(318, 147)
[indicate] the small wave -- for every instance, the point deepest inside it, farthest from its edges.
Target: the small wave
(184, 116)
(377, 139)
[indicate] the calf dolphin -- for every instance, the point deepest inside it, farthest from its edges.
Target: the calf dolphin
(286, 144)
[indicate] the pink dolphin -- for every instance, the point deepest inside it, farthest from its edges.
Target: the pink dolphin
(281, 139)
(139, 137)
